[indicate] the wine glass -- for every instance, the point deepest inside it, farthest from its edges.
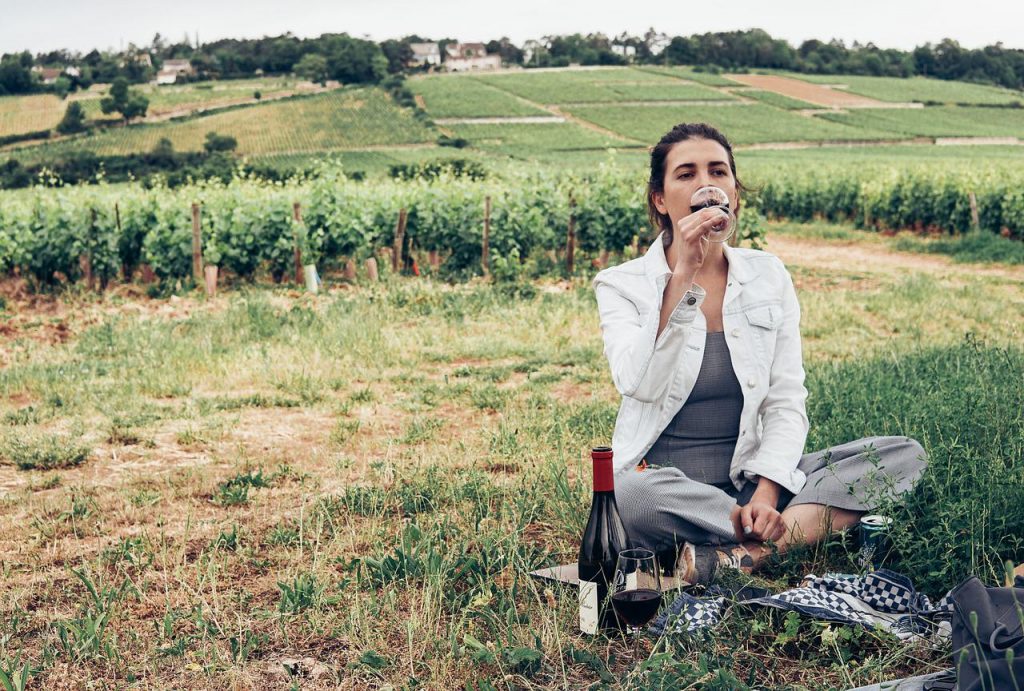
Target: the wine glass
(637, 588)
(711, 197)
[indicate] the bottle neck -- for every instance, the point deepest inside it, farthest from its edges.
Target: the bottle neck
(604, 479)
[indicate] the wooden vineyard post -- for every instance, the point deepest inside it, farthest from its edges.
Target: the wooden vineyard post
(975, 219)
(297, 216)
(350, 270)
(570, 240)
(485, 249)
(197, 245)
(396, 252)
(371, 269)
(85, 260)
(126, 271)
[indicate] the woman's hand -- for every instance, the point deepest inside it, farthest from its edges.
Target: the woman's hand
(692, 236)
(760, 520)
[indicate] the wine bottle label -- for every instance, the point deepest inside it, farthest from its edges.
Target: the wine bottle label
(588, 607)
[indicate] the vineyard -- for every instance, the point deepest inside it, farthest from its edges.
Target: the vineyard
(337, 120)
(249, 227)
(920, 89)
(20, 114)
(945, 121)
(606, 85)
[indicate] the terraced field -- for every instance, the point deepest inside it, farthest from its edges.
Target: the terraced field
(519, 140)
(464, 96)
(744, 124)
(944, 121)
(596, 86)
(688, 73)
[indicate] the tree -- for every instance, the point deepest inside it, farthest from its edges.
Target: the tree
(130, 103)
(313, 67)
(73, 120)
(219, 142)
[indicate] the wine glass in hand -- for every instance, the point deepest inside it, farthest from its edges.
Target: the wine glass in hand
(637, 587)
(716, 198)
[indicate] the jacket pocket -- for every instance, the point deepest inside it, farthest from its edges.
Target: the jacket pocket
(764, 321)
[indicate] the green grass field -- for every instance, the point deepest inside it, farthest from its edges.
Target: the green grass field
(742, 124)
(272, 488)
(921, 89)
(688, 73)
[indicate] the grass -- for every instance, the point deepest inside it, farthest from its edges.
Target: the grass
(689, 74)
(381, 531)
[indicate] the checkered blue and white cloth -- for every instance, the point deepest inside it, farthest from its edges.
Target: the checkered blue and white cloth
(881, 598)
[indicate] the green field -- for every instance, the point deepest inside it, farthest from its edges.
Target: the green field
(465, 97)
(742, 124)
(921, 89)
(944, 121)
(352, 488)
(605, 85)
(345, 119)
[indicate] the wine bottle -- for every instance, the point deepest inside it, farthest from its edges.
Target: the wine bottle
(603, 539)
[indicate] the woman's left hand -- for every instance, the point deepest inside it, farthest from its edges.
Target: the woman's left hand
(760, 520)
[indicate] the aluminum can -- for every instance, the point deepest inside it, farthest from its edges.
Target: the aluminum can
(874, 540)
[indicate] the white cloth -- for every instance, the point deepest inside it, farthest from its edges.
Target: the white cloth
(655, 373)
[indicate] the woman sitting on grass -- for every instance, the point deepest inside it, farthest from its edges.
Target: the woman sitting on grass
(703, 340)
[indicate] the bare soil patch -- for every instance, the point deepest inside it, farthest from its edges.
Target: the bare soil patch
(805, 91)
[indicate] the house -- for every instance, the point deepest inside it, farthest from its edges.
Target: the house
(172, 69)
(47, 75)
(463, 57)
(425, 54)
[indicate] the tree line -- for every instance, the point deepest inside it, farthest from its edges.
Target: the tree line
(353, 60)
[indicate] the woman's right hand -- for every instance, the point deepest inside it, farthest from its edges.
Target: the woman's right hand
(692, 236)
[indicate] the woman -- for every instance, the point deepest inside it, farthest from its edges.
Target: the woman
(704, 346)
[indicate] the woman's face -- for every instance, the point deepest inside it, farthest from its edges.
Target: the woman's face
(690, 165)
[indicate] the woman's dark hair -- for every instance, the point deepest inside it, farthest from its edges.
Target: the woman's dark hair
(656, 182)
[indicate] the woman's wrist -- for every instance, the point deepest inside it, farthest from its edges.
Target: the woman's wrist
(767, 491)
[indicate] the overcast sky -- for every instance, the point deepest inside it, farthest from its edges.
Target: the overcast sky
(85, 24)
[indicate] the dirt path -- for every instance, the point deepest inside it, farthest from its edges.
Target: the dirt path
(805, 91)
(876, 257)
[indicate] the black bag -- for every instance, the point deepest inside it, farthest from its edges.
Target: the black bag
(988, 636)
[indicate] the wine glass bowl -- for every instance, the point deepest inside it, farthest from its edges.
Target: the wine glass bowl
(637, 588)
(711, 197)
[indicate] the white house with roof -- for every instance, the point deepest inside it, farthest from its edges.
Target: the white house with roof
(172, 69)
(425, 54)
(464, 57)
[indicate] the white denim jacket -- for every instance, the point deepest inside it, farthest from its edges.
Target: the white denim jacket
(655, 373)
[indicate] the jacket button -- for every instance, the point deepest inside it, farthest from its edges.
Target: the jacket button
(691, 300)
(735, 333)
(751, 382)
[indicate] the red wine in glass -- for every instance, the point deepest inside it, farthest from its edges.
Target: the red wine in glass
(637, 589)
(712, 197)
(637, 607)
